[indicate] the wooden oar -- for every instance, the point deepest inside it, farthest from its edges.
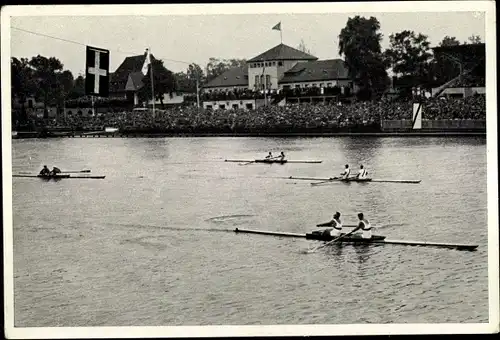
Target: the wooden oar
(75, 171)
(327, 181)
(334, 240)
(271, 158)
(246, 163)
(333, 179)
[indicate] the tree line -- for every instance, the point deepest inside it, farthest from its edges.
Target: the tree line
(409, 56)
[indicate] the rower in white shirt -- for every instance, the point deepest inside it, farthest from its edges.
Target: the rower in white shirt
(362, 174)
(366, 228)
(335, 224)
(346, 173)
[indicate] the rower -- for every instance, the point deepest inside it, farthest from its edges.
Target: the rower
(346, 173)
(269, 156)
(55, 171)
(362, 174)
(281, 156)
(45, 171)
(336, 225)
(366, 228)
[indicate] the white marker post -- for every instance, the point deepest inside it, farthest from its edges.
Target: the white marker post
(417, 116)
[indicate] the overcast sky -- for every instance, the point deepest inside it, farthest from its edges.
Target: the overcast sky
(196, 38)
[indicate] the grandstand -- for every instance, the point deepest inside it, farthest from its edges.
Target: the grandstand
(461, 69)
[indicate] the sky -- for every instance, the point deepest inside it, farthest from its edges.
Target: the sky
(182, 39)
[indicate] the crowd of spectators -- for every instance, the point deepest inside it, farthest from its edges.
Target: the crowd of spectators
(273, 118)
(246, 93)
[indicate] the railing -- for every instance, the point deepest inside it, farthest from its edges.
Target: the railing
(441, 124)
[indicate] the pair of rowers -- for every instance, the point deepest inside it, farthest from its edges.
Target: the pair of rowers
(46, 172)
(362, 173)
(336, 226)
(281, 156)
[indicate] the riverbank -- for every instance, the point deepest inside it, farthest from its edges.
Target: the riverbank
(415, 133)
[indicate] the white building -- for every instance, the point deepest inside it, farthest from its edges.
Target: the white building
(281, 67)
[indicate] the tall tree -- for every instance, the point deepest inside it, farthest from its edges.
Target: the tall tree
(78, 89)
(474, 39)
(449, 41)
(302, 47)
(359, 42)
(409, 55)
(186, 81)
(46, 75)
(22, 84)
(216, 66)
(164, 82)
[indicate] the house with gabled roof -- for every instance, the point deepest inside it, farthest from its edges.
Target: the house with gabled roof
(128, 79)
(283, 67)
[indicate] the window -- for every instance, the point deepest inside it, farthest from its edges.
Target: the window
(314, 85)
(297, 86)
(274, 63)
(268, 80)
(249, 106)
(286, 87)
(208, 107)
(236, 106)
(280, 63)
(306, 85)
(351, 85)
(30, 103)
(90, 112)
(222, 106)
(257, 80)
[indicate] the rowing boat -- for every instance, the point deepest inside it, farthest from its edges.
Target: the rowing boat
(376, 239)
(270, 161)
(320, 236)
(324, 179)
(44, 177)
(60, 176)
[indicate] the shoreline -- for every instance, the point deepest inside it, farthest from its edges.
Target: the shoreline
(256, 134)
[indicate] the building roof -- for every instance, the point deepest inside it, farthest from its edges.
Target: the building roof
(283, 52)
(237, 76)
(134, 81)
(316, 71)
(128, 76)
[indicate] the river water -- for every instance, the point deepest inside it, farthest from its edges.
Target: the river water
(146, 246)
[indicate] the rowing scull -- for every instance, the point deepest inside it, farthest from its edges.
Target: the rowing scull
(376, 239)
(325, 179)
(60, 177)
(270, 161)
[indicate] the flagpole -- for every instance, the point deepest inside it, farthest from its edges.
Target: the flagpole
(281, 34)
(152, 82)
(265, 84)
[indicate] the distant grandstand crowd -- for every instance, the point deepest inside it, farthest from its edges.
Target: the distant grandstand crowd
(274, 118)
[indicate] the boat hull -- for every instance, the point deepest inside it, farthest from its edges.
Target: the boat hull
(60, 177)
(319, 236)
(271, 161)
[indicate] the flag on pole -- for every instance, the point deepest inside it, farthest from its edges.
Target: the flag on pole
(146, 63)
(277, 26)
(97, 72)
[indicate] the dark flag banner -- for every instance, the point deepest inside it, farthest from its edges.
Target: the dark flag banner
(97, 72)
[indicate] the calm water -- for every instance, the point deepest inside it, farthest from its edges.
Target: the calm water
(144, 246)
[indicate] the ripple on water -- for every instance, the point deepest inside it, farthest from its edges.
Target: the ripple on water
(156, 251)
